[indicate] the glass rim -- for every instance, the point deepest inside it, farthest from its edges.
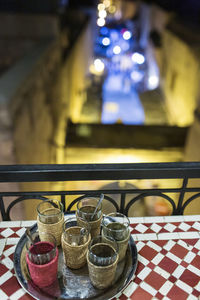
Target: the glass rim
(74, 219)
(87, 213)
(32, 245)
(110, 238)
(116, 214)
(50, 201)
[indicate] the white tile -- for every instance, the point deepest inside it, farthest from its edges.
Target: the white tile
(191, 297)
(130, 289)
(174, 218)
(143, 260)
(173, 257)
(189, 257)
(12, 241)
(154, 246)
(185, 287)
(18, 294)
(194, 270)
(155, 227)
(2, 245)
(6, 224)
(165, 298)
(136, 220)
(28, 223)
(196, 225)
(146, 237)
(141, 228)
(153, 219)
(178, 271)
(8, 263)
(168, 236)
(3, 296)
(145, 286)
(192, 218)
(162, 272)
(197, 287)
(184, 245)
(144, 273)
(21, 231)
(197, 245)
(5, 277)
(7, 232)
(165, 288)
(168, 246)
(170, 227)
(184, 226)
(9, 251)
(140, 245)
(189, 235)
(157, 259)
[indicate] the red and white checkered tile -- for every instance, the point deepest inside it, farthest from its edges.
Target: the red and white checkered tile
(168, 259)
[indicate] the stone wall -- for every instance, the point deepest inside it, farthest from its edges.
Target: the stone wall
(181, 78)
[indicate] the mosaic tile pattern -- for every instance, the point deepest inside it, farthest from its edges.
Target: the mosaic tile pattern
(168, 259)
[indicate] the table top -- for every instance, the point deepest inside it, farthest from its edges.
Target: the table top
(168, 259)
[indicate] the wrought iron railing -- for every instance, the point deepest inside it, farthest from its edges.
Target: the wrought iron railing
(184, 194)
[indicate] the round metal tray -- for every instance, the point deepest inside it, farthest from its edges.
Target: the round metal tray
(73, 284)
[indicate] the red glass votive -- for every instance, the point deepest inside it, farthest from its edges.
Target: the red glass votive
(43, 274)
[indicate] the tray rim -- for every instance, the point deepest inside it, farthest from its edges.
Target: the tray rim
(22, 281)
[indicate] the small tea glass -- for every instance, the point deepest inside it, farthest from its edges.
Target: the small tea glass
(102, 252)
(116, 225)
(74, 234)
(75, 240)
(86, 208)
(50, 211)
(42, 248)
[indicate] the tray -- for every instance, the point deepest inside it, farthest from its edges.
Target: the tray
(73, 284)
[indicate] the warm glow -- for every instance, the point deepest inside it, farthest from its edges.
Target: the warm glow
(116, 49)
(102, 14)
(138, 58)
(101, 22)
(106, 41)
(106, 3)
(112, 9)
(101, 6)
(127, 35)
(99, 65)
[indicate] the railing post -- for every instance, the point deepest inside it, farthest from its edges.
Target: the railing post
(122, 203)
(63, 202)
(179, 210)
(2, 209)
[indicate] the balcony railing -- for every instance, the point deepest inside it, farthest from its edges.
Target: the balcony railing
(179, 197)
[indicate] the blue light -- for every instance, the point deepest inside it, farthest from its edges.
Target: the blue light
(106, 41)
(127, 35)
(104, 30)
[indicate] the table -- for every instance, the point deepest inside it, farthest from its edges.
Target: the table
(168, 259)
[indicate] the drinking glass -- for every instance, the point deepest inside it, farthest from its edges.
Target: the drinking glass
(50, 211)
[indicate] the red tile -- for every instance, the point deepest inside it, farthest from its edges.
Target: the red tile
(155, 280)
(161, 243)
(195, 250)
(184, 264)
(196, 262)
(168, 265)
(148, 252)
(137, 280)
(177, 293)
(123, 297)
(10, 286)
(196, 293)
(190, 278)
(163, 251)
(151, 265)
(179, 251)
(159, 296)
(141, 294)
(163, 230)
(172, 279)
(16, 228)
(191, 242)
(140, 267)
(14, 235)
(149, 230)
(26, 297)
(3, 269)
